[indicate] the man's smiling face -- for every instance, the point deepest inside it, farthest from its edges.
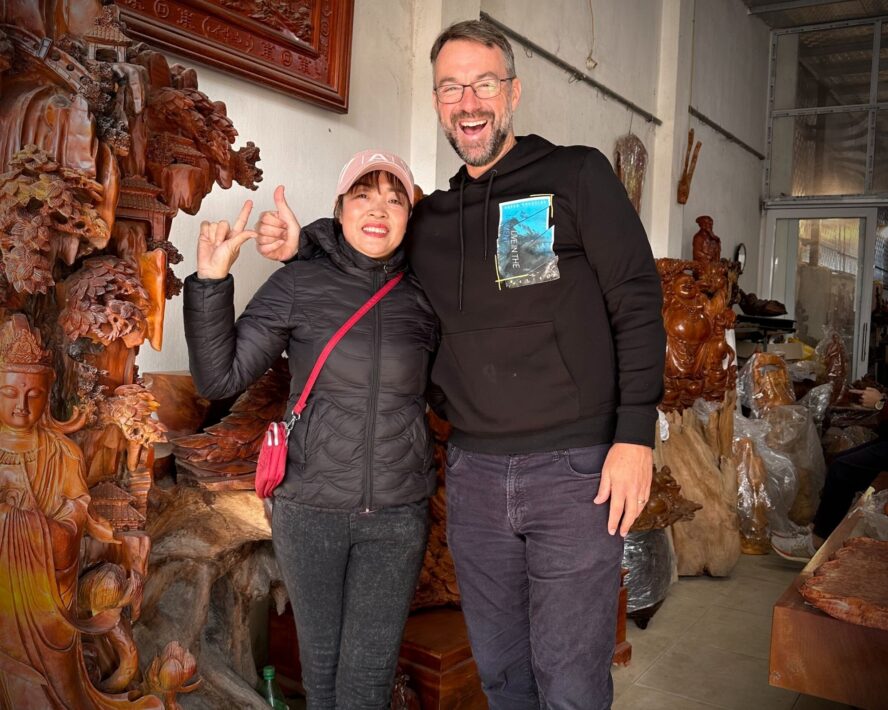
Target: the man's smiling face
(480, 130)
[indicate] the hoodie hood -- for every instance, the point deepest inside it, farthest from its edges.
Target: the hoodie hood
(528, 149)
(324, 237)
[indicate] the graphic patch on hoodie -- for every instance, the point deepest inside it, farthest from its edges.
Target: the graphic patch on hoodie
(524, 245)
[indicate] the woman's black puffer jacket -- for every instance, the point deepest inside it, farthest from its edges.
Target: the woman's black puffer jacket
(362, 442)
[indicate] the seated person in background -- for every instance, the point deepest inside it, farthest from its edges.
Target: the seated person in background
(851, 472)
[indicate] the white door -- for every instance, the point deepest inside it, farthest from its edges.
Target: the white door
(819, 262)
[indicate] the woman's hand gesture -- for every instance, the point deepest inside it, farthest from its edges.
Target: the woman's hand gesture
(277, 231)
(219, 245)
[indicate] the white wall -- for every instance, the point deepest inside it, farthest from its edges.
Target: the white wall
(729, 86)
(660, 54)
(302, 147)
(624, 40)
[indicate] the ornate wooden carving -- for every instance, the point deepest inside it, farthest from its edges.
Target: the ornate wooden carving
(853, 586)
(697, 298)
(437, 580)
(666, 505)
(706, 246)
(300, 47)
(102, 142)
(224, 455)
(690, 165)
(44, 514)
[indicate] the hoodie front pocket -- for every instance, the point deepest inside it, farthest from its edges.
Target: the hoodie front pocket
(505, 380)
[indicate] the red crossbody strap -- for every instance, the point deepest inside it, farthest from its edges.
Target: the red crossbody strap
(337, 336)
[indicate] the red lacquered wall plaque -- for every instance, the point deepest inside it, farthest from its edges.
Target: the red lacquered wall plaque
(300, 47)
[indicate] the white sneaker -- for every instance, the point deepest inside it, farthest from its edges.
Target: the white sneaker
(798, 548)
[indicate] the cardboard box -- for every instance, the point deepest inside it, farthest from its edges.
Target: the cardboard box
(789, 351)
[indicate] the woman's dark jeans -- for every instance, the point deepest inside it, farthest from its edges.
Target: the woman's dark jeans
(350, 577)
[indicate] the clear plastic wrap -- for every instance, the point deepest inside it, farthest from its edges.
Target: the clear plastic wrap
(753, 502)
(816, 401)
(781, 482)
(835, 440)
(874, 511)
(831, 352)
(764, 383)
(703, 409)
(801, 370)
(650, 562)
(794, 434)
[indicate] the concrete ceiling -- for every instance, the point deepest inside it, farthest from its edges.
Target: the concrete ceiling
(779, 14)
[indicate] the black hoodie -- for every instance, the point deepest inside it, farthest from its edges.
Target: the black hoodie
(549, 300)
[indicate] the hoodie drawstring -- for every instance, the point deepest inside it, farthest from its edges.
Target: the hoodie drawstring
(462, 232)
(462, 245)
(486, 206)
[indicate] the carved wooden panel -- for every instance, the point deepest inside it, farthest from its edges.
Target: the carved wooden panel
(300, 47)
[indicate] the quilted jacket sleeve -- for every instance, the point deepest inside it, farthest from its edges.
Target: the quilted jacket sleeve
(226, 356)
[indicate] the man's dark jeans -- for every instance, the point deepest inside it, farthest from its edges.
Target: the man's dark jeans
(350, 577)
(538, 573)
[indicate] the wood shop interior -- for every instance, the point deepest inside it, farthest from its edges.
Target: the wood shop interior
(751, 137)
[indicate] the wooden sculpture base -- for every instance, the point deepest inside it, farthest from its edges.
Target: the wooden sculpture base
(436, 655)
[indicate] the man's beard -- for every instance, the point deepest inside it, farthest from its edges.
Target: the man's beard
(482, 154)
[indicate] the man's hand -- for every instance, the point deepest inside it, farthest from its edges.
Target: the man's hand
(626, 480)
(868, 397)
(219, 245)
(278, 230)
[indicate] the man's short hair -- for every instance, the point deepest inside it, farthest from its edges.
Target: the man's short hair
(476, 31)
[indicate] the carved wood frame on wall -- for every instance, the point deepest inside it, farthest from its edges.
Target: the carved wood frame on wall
(299, 47)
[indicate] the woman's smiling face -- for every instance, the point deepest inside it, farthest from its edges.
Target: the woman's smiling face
(374, 215)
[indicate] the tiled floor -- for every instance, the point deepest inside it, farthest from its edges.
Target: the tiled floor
(707, 646)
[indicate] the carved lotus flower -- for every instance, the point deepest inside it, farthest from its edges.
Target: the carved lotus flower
(168, 673)
(105, 587)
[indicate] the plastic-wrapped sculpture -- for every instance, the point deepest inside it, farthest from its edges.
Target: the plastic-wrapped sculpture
(647, 553)
(766, 389)
(630, 164)
(102, 142)
(832, 353)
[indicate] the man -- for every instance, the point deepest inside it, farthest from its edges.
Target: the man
(550, 367)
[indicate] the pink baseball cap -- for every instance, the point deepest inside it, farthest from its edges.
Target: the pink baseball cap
(369, 160)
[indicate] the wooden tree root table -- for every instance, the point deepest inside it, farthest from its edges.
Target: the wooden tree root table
(815, 654)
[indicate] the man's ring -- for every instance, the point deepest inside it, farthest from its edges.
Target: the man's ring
(641, 501)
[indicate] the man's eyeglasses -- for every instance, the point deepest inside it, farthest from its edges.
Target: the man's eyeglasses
(484, 89)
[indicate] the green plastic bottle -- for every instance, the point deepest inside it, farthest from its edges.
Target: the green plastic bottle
(270, 691)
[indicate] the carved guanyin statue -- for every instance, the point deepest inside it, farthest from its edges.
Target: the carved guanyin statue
(44, 513)
(102, 142)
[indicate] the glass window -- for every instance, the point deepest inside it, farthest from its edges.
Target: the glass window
(883, 65)
(826, 278)
(824, 68)
(880, 164)
(821, 154)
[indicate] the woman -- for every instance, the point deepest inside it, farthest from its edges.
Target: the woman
(349, 526)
